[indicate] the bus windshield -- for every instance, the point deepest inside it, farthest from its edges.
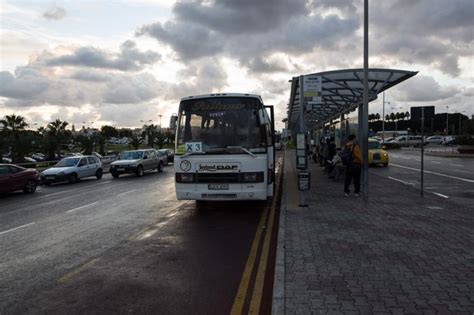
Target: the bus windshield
(222, 123)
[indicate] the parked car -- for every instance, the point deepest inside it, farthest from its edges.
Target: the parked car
(450, 140)
(72, 169)
(39, 157)
(406, 141)
(13, 177)
(136, 162)
(435, 139)
(169, 154)
(29, 159)
(5, 159)
(377, 153)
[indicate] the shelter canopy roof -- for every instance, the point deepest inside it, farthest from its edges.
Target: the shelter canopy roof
(341, 92)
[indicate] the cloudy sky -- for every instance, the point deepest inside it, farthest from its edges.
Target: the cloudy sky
(122, 62)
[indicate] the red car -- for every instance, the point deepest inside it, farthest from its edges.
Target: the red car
(13, 177)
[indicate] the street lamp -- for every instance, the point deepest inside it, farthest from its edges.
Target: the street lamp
(383, 117)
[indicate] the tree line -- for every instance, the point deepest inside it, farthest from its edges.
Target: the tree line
(390, 117)
(18, 142)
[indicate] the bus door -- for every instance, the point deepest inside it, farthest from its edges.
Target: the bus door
(271, 151)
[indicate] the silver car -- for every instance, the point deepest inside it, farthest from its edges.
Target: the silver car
(136, 162)
(72, 169)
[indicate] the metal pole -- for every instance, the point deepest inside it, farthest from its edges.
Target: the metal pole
(460, 123)
(303, 131)
(383, 118)
(422, 146)
(365, 107)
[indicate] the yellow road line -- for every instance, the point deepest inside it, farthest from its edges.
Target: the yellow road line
(262, 266)
(239, 300)
(76, 271)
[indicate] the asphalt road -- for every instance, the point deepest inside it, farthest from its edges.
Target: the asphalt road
(446, 177)
(125, 245)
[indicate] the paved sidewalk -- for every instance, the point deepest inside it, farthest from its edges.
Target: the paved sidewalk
(397, 254)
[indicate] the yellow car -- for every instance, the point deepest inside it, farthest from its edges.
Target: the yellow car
(377, 154)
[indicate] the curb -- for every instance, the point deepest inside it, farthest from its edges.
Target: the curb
(278, 299)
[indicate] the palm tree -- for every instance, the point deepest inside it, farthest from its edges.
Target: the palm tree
(151, 133)
(13, 129)
(407, 115)
(56, 135)
(135, 141)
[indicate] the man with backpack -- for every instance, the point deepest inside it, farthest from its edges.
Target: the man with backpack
(352, 159)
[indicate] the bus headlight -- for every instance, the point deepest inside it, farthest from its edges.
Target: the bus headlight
(256, 177)
(184, 177)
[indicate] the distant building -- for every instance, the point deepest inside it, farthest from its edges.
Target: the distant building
(173, 121)
(415, 113)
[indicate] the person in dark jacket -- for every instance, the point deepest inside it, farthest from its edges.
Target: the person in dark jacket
(353, 168)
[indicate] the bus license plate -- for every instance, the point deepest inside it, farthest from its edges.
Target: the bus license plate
(218, 186)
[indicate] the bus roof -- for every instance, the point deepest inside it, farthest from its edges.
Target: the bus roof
(222, 95)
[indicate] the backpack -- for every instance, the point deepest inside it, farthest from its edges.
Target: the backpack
(346, 155)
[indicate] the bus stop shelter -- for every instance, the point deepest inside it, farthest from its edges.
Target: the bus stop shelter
(318, 98)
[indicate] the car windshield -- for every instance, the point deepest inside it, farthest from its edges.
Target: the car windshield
(67, 162)
(131, 155)
(219, 124)
(374, 145)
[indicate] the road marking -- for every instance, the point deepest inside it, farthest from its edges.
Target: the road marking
(435, 162)
(82, 207)
(434, 173)
(76, 271)
(262, 266)
(462, 171)
(18, 227)
(257, 291)
(458, 165)
(53, 194)
(438, 194)
(126, 192)
(244, 282)
(401, 181)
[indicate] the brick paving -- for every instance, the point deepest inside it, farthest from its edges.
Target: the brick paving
(396, 254)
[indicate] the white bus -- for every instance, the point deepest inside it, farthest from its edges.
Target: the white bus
(224, 148)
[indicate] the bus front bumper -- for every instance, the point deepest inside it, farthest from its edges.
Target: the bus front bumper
(191, 192)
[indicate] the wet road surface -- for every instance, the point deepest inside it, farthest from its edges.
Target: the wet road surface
(122, 245)
(446, 177)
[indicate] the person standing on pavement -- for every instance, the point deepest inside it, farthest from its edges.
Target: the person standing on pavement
(352, 158)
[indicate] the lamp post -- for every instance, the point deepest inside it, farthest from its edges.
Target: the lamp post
(447, 121)
(383, 117)
(460, 114)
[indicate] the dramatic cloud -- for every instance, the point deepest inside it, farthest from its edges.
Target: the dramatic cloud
(128, 59)
(424, 89)
(240, 30)
(428, 32)
(26, 84)
(55, 13)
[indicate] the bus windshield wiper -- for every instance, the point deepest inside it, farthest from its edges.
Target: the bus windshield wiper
(242, 149)
(192, 153)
